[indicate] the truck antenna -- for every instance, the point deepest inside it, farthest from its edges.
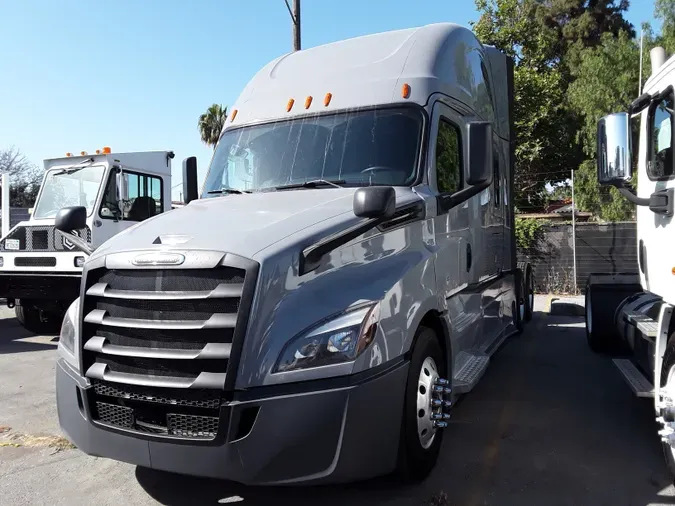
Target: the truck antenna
(641, 44)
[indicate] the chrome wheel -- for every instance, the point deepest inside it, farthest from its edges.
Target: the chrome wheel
(430, 404)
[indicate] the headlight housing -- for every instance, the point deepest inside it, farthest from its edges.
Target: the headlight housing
(336, 340)
(68, 336)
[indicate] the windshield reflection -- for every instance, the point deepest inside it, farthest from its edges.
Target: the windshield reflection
(75, 187)
(352, 148)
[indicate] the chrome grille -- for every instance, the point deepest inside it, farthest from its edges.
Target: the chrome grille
(163, 343)
(43, 238)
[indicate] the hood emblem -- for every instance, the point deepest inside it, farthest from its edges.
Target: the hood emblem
(172, 240)
(158, 258)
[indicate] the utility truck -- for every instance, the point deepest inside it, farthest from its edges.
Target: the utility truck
(40, 268)
(347, 269)
(630, 314)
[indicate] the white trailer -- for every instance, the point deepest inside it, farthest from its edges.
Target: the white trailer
(41, 268)
(630, 314)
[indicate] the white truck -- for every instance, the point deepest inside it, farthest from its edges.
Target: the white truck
(349, 268)
(629, 315)
(40, 268)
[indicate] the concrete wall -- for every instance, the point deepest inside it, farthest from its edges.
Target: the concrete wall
(610, 247)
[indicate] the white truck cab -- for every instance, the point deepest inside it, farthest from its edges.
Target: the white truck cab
(40, 268)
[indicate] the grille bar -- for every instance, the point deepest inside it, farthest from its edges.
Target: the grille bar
(208, 380)
(217, 321)
(209, 351)
(222, 291)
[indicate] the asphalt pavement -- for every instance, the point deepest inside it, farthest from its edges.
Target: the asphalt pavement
(549, 424)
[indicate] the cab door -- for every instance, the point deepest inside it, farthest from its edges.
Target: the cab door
(145, 198)
(656, 172)
(454, 225)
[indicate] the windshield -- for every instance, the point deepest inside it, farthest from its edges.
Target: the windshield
(356, 148)
(69, 186)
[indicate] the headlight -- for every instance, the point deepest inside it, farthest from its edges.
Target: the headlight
(337, 340)
(79, 261)
(68, 335)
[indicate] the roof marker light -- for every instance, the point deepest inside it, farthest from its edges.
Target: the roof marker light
(83, 153)
(98, 151)
(107, 150)
(69, 154)
(405, 90)
(289, 105)
(308, 102)
(326, 99)
(234, 115)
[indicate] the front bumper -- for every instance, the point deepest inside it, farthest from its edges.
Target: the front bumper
(40, 285)
(336, 434)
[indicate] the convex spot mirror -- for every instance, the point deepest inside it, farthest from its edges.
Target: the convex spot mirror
(374, 202)
(614, 149)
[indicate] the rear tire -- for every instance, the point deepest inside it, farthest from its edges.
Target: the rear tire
(415, 462)
(600, 338)
(529, 293)
(29, 318)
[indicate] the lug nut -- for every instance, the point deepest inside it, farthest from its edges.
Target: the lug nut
(436, 403)
(438, 389)
(447, 404)
(447, 390)
(440, 425)
(442, 381)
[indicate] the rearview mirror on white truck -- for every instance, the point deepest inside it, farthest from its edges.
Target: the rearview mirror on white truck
(614, 149)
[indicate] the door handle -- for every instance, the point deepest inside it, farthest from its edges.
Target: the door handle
(468, 257)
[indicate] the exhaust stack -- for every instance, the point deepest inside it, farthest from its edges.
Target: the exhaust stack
(658, 57)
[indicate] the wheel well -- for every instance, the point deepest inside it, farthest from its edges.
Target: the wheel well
(433, 320)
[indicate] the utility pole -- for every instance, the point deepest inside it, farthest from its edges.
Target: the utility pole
(295, 19)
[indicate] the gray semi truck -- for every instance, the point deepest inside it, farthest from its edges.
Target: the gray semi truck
(347, 269)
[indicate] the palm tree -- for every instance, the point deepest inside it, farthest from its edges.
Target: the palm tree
(211, 124)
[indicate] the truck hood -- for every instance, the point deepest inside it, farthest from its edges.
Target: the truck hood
(241, 224)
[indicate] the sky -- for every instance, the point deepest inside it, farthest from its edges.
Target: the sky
(135, 75)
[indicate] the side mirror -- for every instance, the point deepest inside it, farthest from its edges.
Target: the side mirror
(190, 191)
(375, 202)
(71, 218)
(614, 149)
(480, 153)
(122, 190)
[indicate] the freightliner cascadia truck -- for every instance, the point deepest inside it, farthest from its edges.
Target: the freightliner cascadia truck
(347, 269)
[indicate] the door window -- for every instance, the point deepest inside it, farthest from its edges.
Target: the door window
(661, 139)
(448, 158)
(144, 197)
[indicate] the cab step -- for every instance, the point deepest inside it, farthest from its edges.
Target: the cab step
(470, 372)
(646, 325)
(637, 381)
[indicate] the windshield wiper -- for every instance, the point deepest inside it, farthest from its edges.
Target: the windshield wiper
(315, 183)
(74, 168)
(223, 191)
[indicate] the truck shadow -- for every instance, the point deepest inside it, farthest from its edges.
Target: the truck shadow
(13, 338)
(550, 423)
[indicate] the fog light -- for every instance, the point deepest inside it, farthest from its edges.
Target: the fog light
(79, 261)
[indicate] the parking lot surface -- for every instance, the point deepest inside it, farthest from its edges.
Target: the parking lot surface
(549, 424)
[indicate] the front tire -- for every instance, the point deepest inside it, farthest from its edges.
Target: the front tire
(420, 442)
(668, 383)
(29, 317)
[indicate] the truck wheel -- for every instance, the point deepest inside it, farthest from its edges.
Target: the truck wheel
(421, 432)
(668, 388)
(29, 318)
(529, 293)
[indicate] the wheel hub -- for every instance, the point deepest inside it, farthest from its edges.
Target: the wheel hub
(432, 405)
(667, 410)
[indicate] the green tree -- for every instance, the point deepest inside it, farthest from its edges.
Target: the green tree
(211, 124)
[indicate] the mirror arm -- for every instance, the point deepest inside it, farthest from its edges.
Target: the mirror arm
(84, 246)
(450, 201)
(311, 256)
(627, 192)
